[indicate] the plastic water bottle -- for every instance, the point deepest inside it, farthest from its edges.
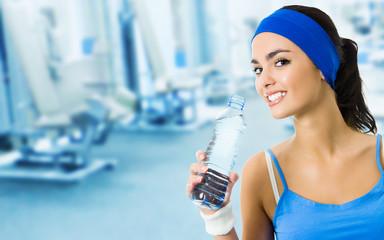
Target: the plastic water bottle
(221, 155)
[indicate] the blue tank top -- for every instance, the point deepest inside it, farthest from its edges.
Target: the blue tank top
(299, 218)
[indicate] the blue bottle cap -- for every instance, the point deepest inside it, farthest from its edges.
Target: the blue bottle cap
(237, 102)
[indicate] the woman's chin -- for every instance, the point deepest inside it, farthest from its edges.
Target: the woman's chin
(279, 115)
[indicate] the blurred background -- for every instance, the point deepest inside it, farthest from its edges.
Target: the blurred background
(103, 104)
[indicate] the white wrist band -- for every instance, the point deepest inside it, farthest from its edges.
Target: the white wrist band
(221, 222)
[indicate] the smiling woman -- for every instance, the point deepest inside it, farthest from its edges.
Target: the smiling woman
(280, 74)
(319, 182)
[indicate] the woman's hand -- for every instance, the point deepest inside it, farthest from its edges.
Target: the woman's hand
(195, 179)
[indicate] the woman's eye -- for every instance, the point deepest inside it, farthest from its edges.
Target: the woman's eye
(257, 70)
(282, 62)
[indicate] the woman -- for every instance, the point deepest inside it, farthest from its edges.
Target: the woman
(325, 181)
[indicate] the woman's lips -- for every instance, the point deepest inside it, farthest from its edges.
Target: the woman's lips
(275, 97)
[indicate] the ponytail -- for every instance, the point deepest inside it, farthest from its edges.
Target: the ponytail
(349, 92)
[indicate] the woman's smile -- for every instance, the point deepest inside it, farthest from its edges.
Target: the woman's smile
(274, 97)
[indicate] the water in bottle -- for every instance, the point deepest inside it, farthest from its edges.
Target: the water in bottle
(220, 155)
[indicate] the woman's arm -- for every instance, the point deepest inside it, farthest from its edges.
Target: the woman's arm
(256, 193)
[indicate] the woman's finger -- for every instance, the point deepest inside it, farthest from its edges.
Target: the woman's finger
(200, 156)
(198, 168)
(192, 181)
(233, 177)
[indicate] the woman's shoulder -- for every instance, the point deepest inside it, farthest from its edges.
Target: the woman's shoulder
(255, 169)
(255, 172)
(258, 159)
(254, 183)
(283, 148)
(365, 143)
(256, 166)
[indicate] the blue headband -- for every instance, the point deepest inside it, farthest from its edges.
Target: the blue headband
(307, 35)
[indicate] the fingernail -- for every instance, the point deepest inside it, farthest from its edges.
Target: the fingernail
(204, 168)
(202, 156)
(199, 179)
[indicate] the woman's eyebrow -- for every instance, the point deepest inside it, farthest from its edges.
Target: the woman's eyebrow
(274, 53)
(270, 55)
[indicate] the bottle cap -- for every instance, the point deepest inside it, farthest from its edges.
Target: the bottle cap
(237, 102)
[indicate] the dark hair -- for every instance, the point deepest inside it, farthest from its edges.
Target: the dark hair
(348, 84)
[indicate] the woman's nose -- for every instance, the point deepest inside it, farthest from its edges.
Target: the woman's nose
(266, 78)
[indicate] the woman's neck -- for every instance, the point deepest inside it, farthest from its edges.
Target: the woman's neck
(322, 131)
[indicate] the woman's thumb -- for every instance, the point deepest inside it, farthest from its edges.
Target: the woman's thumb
(233, 177)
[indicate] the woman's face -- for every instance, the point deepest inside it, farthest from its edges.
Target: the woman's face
(286, 78)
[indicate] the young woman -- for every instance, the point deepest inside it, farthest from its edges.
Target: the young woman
(326, 180)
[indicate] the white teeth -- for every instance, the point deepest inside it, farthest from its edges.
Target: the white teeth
(275, 96)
